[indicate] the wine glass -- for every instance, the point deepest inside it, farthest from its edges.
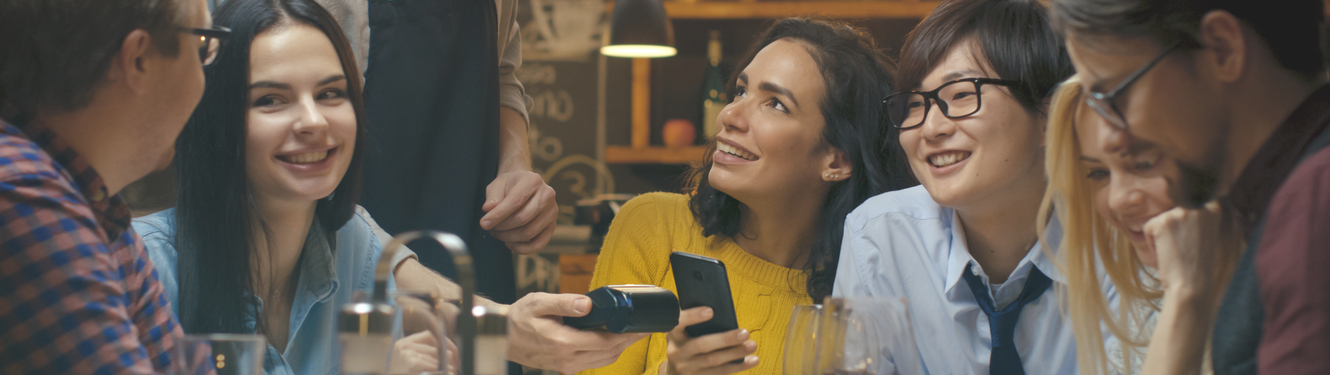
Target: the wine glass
(866, 336)
(800, 354)
(221, 354)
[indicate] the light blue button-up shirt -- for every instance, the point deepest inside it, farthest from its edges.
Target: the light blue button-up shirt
(903, 244)
(328, 278)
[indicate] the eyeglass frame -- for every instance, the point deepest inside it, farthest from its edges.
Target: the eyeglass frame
(1097, 100)
(207, 55)
(931, 96)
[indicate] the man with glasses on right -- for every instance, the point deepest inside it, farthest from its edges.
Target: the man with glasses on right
(1234, 90)
(92, 96)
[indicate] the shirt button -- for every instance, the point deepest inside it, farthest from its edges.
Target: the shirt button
(98, 195)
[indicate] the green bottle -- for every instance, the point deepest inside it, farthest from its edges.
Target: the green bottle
(713, 89)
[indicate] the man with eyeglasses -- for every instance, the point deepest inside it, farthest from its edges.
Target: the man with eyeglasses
(92, 96)
(1234, 90)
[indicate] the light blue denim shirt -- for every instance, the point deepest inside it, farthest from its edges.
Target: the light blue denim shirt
(328, 278)
(903, 244)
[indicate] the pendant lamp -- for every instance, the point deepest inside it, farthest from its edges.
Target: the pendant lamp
(639, 29)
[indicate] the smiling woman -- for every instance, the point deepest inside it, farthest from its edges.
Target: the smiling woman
(963, 248)
(802, 143)
(266, 236)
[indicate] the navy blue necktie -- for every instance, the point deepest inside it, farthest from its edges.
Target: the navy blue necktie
(1004, 360)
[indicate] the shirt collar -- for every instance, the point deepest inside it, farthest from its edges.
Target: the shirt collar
(959, 257)
(1275, 160)
(318, 273)
(111, 211)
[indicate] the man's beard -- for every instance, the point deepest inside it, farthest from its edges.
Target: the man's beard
(1195, 185)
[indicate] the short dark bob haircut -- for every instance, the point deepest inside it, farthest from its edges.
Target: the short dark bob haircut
(857, 76)
(1290, 28)
(216, 215)
(1013, 36)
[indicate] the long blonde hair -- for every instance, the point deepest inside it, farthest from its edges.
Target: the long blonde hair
(1091, 244)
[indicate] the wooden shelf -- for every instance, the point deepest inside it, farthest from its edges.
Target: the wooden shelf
(653, 155)
(778, 9)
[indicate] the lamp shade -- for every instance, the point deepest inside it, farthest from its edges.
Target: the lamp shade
(640, 29)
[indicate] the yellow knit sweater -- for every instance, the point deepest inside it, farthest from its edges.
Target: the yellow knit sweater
(637, 251)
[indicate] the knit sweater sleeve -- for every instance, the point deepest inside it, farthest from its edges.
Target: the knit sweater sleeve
(636, 251)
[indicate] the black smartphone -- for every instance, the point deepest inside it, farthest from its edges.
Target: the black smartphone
(702, 281)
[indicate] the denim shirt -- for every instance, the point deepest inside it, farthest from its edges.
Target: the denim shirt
(903, 244)
(327, 280)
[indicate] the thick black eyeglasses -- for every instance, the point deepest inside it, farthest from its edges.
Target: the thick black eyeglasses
(210, 41)
(959, 98)
(1105, 103)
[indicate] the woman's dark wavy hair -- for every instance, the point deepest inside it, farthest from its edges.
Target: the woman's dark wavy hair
(857, 76)
(1013, 36)
(216, 215)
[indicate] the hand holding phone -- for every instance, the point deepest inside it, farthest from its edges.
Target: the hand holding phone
(702, 282)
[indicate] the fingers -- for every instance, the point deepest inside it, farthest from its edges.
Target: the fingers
(749, 362)
(718, 341)
(509, 193)
(521, 227)
(419, 352)
(713, 354)
(694, 316)
(725, 356)
(539, 199)
(537, 243)
(422, 338)
(545, 304)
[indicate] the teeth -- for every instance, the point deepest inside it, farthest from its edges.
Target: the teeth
(943, 160)
(306, 158)
(734, 151)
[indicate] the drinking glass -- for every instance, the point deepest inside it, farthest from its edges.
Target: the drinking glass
(801, 337)
(221, 354)
(866, 336)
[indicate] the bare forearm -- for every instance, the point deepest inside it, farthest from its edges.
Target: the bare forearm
(413, 276)
(1180, 339)
(514, 153)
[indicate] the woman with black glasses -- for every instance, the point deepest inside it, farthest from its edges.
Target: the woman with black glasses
(964, 248)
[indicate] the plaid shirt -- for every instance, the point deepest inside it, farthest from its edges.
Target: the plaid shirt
(78, 293)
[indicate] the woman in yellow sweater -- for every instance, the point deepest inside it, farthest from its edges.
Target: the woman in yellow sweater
(801, 144)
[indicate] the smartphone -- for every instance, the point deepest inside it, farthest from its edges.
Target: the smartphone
(702, 281)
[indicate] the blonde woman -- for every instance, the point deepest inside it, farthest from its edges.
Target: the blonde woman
(1104, 202)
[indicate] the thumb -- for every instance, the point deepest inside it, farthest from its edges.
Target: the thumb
(695, 315)
(494, 194)
(569, 305)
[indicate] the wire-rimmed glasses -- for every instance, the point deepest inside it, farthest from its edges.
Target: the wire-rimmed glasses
(1105, 103)
(959, 98)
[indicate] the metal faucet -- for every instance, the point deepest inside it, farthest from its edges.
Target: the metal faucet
(361, 319)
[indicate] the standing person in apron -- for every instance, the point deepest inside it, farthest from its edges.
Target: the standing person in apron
(448, 146)
(448, 151)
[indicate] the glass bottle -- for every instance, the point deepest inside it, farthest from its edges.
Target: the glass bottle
(713, 88)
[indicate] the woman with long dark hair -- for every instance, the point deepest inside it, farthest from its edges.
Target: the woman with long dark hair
(266, 236)
(802, 143)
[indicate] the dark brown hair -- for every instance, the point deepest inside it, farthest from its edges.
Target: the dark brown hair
(1290, 28)
(215, 208)
(857, 77)
(54, 53)
(1013, 36)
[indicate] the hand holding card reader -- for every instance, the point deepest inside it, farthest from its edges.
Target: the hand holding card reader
(629, 309)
